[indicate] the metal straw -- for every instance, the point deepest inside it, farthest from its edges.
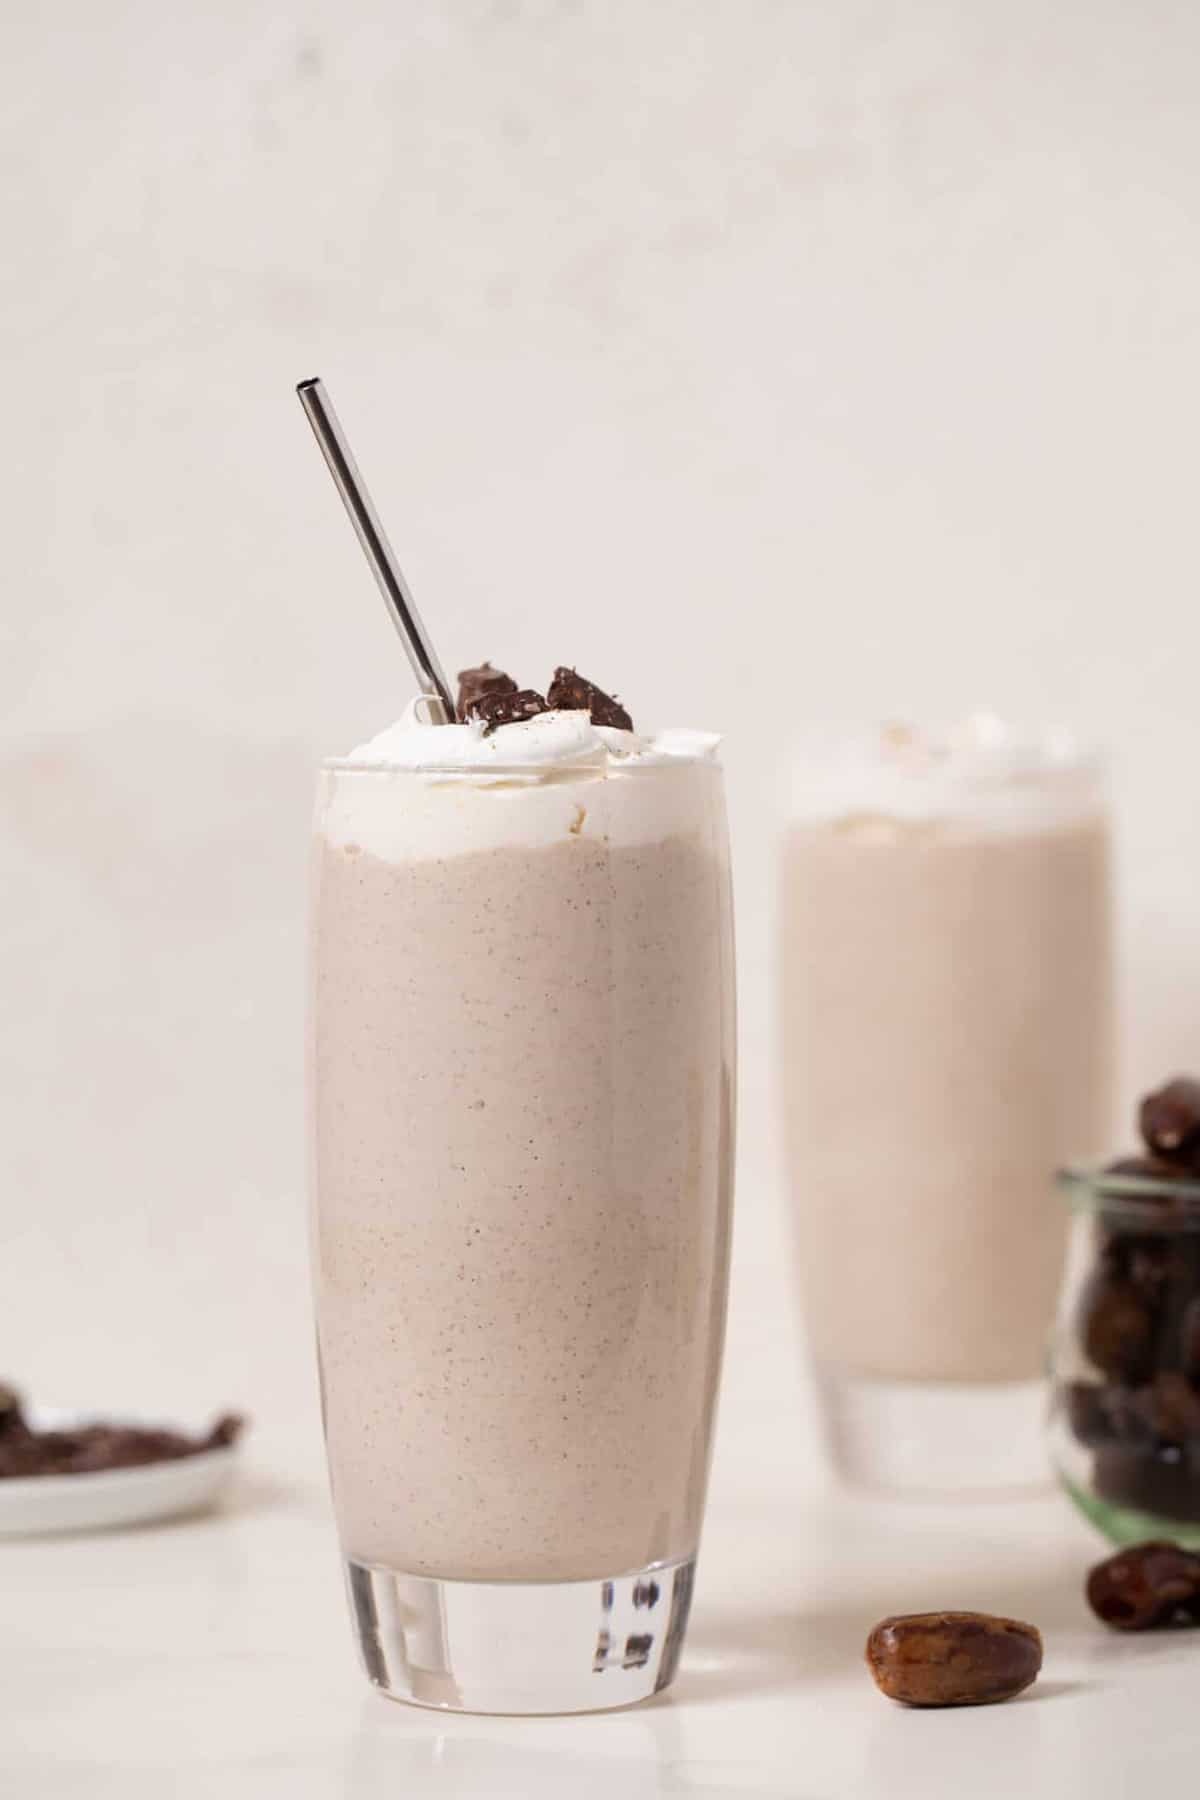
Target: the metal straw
(379, 553)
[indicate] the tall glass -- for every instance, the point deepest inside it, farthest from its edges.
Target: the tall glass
(947, 1041)
(523, 1108)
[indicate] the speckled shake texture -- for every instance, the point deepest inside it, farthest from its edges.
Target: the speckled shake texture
(947, 1035)
(523, 1137)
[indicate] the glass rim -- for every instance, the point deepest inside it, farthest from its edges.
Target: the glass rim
(1090, 1187)
(526, 774)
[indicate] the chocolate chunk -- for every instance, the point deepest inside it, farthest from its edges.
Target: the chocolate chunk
(10, 1408)
(953, 1658)
(90, 1449)
(14, 1428)
(569, 692)
(507, 709)
(1170, 1122)
(227, 1430)
(474, 684)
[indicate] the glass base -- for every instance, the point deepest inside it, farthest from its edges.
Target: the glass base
(1125, 1524)
(937, 1437)
(520, 1647)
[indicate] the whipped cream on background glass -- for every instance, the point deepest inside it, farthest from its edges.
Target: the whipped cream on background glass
(980, 769)
(945, 980)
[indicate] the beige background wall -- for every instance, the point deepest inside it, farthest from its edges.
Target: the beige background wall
(774, 361)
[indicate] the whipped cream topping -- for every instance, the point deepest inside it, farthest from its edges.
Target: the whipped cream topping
(978, 770)
(553, 740)
(553, 779)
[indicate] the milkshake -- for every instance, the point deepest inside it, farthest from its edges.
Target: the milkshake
(946, 1010)
(523, 1104)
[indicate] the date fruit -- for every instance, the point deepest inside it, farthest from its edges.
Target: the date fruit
(953, 1658)
(1116, 1327)
(1146, 1586)
(1189, 1338)
(1170, 1406)
(1170, 1122)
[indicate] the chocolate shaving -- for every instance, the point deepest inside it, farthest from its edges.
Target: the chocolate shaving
(90, 1449)
(507, 709)
(570, 692)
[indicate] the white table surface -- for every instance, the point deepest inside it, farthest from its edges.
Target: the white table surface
(213, 1657)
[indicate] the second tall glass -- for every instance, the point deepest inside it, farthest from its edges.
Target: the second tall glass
(946, 1011)
(523, 1097)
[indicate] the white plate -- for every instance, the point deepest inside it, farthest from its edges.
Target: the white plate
(31, 1505)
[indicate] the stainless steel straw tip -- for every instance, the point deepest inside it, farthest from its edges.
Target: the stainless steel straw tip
(431, 678)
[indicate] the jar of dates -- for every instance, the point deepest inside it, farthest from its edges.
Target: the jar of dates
(1125, 1369)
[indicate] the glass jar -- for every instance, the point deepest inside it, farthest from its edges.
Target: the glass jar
(1125, 1410)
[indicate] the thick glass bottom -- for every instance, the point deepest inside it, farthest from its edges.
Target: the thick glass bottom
(520, 1647)
(1126, 1524)
(936, 1437)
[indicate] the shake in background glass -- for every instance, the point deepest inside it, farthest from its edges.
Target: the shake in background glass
(947, 1042)
(523, 1109)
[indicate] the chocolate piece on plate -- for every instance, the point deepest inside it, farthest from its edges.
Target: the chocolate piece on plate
(92, 1449)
